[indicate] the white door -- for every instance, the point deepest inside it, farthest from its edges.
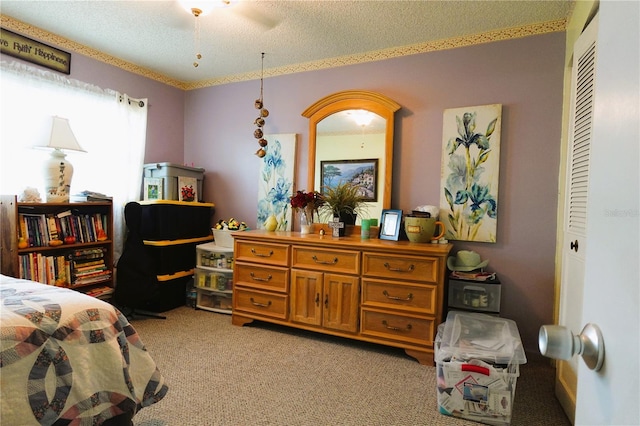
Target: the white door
(601, 282)
(612, 277)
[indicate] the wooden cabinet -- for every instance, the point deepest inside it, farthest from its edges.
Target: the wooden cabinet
(386, 292)
(329, 299)
(324, 299)
(86, 264)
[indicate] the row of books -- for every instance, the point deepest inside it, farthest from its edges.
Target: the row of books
(74, 269)
(39, 229)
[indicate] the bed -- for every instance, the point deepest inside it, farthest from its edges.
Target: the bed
(70, 359)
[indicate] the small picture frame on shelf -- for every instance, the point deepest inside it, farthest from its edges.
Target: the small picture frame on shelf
(152, 189)
(390, 224)
(187, 188)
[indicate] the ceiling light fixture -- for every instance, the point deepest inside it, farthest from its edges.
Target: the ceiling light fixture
(361, 117)
(198, 8)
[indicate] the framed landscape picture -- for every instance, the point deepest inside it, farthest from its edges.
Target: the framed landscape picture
(152, 189)
(360, 173)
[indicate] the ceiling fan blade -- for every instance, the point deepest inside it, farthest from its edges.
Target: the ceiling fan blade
(250, 12)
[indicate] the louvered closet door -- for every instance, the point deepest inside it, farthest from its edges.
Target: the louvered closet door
(575, 220)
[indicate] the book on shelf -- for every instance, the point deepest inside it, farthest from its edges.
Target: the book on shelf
(88, 196)
(93, 279)
(100, 291)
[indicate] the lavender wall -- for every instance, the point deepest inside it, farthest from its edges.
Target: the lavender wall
(524, 75)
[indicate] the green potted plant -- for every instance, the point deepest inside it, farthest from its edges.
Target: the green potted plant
(344, 201)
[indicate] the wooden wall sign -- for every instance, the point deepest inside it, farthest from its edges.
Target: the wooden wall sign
(35, 52)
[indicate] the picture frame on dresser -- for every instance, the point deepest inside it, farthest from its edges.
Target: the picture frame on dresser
(390, 224)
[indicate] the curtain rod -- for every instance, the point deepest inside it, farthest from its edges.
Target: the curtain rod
(138, 101)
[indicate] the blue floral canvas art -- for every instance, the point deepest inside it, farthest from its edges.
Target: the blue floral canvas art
(275, 186)
(470, 171)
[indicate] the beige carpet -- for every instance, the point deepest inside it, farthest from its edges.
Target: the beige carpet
(261, 374)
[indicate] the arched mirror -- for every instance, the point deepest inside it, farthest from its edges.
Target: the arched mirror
(351, 131)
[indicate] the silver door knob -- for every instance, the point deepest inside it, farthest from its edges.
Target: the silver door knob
(558, 342)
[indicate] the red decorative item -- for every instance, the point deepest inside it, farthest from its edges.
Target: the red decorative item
(187, 193)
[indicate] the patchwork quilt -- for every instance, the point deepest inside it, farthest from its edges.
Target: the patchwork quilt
(69, 359)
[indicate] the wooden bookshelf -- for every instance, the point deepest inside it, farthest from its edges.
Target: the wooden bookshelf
(62, 263)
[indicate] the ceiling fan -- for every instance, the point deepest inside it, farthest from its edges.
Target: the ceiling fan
(200, 8)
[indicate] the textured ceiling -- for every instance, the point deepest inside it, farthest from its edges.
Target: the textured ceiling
(158, 36)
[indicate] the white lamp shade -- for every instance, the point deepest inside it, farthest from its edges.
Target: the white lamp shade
(62, 136)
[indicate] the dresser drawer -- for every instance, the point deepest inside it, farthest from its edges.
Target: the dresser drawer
(261, 277)
(260, 302)
(420, 298)
(404, 328)
(258, 252)
(317, 259)
(400, 267)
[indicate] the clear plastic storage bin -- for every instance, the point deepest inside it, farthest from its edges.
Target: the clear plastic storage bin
(478, 359)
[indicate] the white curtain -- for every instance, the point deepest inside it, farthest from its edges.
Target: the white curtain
(110, 126)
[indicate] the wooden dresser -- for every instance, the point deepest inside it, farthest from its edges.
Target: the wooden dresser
(386, 292)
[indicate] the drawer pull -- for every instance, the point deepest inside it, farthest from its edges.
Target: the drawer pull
(325, 262)
(255, 253)
(261, 279)
(261, 305)
(317, 299)
(390, 327)
(407, 299)
(409, 269)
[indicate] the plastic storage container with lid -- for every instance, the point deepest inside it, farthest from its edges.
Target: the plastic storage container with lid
(470, 335)
(478, 359)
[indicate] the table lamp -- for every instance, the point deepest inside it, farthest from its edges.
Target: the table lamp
(58, 171)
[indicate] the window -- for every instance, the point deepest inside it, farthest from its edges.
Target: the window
(112, 132)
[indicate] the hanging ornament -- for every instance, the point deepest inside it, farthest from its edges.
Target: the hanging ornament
(260, 122)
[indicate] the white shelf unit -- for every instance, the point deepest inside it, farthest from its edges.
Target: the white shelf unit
(213, 278)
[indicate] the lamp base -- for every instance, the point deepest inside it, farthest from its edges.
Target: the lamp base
(58, 173)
